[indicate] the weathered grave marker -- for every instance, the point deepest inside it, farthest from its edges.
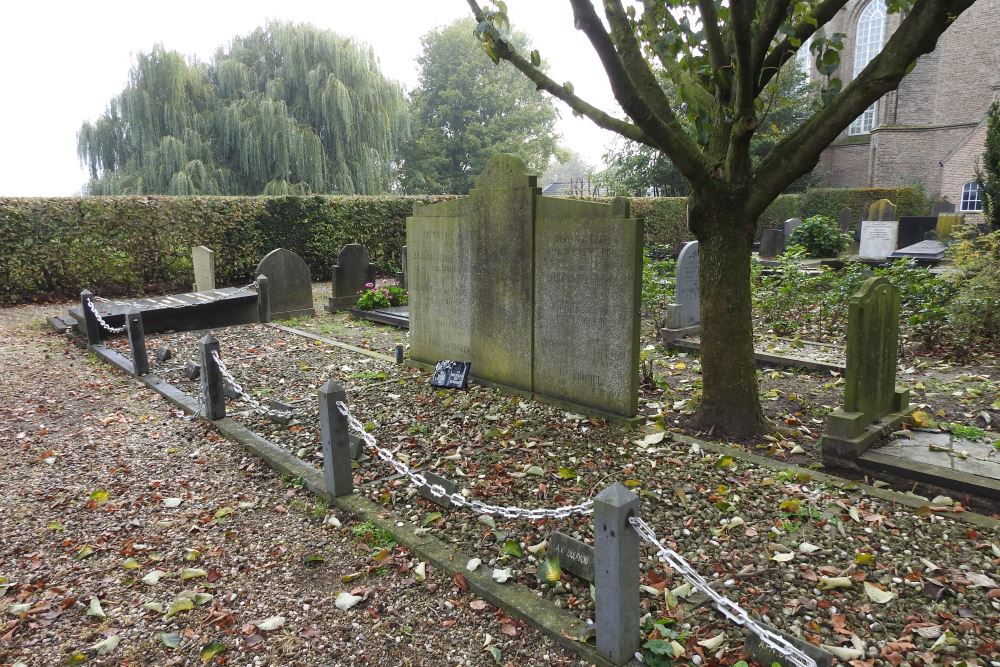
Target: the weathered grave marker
(947, 224)
(350, 274)
(845, 219)
(870, 393)
(684, 315)
(530, 289)
(772, 243)
(790, 226)
(203, 260)
(401, 274)
(574, 556)
(882, 209)
(290, 286)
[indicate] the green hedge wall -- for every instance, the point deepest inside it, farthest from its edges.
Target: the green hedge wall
(54, 247)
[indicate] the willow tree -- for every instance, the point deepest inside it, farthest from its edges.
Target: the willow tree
(721, 57)
(287, 109)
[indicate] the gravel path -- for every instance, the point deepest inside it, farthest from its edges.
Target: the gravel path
(117, 508)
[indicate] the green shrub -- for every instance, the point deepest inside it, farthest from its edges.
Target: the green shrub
(657, 282)
(820, 237)
(385, 296)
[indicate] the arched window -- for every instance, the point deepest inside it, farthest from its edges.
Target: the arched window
(972, 197)
(868, 40)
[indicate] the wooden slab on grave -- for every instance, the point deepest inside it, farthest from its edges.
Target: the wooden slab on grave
(190, 311)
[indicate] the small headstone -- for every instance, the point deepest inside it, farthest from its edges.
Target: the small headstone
(575, 556)
(229, 390)
(942, 205)
(289, 283)
(685, 312)
(449, 487)
(203, 260)
(401, 274)
(947, 223)
(163, 353)
(192, 370)
(790, 225)
(845, 219)
(913, 229)
(284, 410)
(883, 209)
(772, 243)
(451, 374)
(878, 239)
(350, 274)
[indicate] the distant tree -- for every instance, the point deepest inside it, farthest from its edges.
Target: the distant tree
(989, 172)
(567, 165)
(287, 109)
(465, 110)
(636, 170)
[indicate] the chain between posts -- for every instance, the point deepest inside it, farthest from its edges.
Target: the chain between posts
(457, 499)
(238, 388)
(100, 320)
(727, 607)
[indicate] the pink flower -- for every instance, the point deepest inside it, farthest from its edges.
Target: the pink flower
(370, 285)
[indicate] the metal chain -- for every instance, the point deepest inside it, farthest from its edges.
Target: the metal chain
(729, 609)
(457, 499)
(254, 403)
(100, 320)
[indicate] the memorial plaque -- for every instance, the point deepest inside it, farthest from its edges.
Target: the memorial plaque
(878, 239)
(203, 260)
(574, 556)
(451, 374)
(289, 282)
(449, 488)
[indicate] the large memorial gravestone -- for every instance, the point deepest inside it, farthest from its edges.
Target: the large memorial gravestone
(914, 229)
(684, 315)
(290, 284)
(352, 270)
(203, 261)
(540, 294)
(947, 225)
(872, 403)
(879, 231)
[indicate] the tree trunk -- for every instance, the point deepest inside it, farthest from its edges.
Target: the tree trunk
(730, 404)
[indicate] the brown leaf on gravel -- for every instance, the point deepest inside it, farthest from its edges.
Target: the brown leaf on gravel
(460, 582)
(509, 629)
(477, 605)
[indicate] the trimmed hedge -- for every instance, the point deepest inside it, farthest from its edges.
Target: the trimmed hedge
(54, 247)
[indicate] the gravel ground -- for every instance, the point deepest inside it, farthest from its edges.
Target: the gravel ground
(105, 486)
(879, 583)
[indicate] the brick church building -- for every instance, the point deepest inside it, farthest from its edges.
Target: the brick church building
(932, 129)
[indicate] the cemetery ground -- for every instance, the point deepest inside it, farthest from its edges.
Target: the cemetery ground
(136, 535)
(877, 578)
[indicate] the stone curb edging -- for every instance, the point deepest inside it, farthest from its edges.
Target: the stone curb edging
(566, 629)
(889, 495)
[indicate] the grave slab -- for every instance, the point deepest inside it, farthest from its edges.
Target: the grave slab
(397, 316)
(925, 252)
(289, 282)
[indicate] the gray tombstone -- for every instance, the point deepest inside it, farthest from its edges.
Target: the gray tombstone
(789, 227)
(845, 219)
(401, 275)
(290, 286)
(203, 260)
(350, 274)
(684, 315)
(942, 205)
(772, 243)
(530, 289)
(913, 229)
(870, 393)
(878, 239)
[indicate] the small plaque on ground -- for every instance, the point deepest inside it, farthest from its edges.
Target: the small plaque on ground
(451, 374)
(449, 487)
(574, 556)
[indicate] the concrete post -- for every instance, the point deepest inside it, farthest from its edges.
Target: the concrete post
(263, 300)
(616, 574)
(335, 440)
(212, 383)
(89, 319)
(137, 341)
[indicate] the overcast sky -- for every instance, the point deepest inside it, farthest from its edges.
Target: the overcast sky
(64, 61)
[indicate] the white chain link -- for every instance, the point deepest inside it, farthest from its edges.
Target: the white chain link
(729, 609)
(100, 320)
(457, 499)
(238, 388)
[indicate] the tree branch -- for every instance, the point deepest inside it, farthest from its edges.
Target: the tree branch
(774, 14)
(740, 13)
(800, 151)
(825, 11)
(544, 82)
(717, 54)
(684, 78)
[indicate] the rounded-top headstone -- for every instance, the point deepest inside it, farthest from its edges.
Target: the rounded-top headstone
(290, 284)
(504, 170)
